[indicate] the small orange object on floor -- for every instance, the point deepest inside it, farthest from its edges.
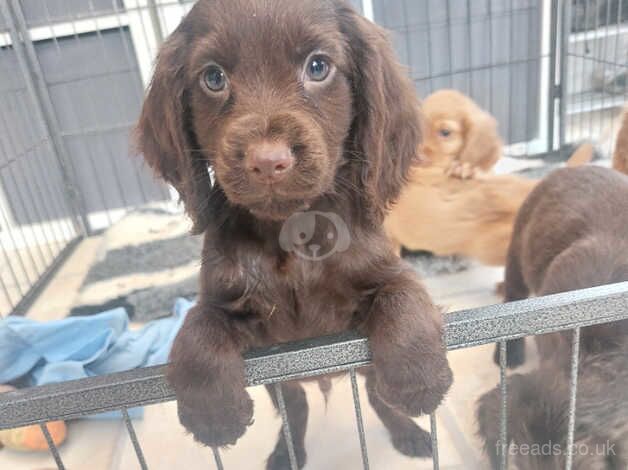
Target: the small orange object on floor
(31, 438)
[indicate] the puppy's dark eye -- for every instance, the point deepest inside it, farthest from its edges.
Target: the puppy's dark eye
(214, 78)
(445, 132)
(317, 68)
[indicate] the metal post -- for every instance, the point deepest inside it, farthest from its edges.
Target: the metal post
(503, 415)
(38, 93)
(553, 91)
(565, 30)
(154, 19)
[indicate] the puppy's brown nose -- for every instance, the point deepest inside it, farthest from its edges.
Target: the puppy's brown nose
(269, 161)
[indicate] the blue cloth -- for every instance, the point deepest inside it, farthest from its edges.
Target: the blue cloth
(78, 347)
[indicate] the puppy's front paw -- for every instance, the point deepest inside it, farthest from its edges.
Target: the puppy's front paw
(413, 385)
(280, 459)
(515, 353)
(216, 419)
(462, 170)
(413, 441)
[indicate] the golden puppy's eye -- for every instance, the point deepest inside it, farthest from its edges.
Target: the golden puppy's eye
(214, 78)
(317, 68)
(444, 132)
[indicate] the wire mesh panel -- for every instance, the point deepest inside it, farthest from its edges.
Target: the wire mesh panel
(73, 79)
(88, 56)
(97, 105)
(489, 50)
(37, 223)
(596, 73)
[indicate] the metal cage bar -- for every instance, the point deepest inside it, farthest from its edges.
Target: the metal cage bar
(434, 438)
(287, 434)
(52, 446)
(503, 414)
(133, 436)
(217, 459)
(358, 419)
(573, 387)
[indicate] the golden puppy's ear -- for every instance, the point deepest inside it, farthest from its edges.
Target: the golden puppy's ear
(482, 144)
(164, 133)
(581, 156)
(620, 156)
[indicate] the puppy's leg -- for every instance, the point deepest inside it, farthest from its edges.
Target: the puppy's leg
(405, 335)
(515, 288)
(206, 371)
(297, 410)
(515, 353)
(407, 437)
(462, 170)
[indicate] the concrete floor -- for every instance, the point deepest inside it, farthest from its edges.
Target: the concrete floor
(331, 439)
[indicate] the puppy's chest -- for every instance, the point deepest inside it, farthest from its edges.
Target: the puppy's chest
(302, 298)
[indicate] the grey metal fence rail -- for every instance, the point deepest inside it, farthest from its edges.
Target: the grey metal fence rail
(345, 352)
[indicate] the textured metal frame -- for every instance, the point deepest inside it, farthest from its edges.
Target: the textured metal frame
(344, 352)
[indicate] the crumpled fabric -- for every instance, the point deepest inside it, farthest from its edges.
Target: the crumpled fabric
(39, 353)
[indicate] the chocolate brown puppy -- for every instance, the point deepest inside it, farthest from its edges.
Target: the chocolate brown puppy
(571, 233)
(310, 126)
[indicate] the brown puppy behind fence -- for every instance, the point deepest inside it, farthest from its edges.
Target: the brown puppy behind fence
(571, 233)
(310, 127)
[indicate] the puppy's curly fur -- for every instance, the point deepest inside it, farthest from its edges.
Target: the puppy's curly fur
(321, 83)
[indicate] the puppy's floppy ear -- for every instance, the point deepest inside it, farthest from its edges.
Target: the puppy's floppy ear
(387, 128)
(482, 144)
(164, 132)
(620, 156)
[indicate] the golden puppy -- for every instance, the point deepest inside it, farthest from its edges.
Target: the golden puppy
(460, 137)
(448, 215)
